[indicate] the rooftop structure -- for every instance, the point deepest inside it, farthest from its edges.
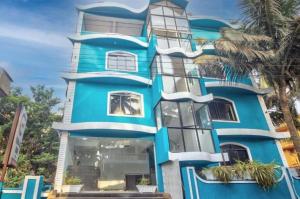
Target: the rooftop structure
(5, 82)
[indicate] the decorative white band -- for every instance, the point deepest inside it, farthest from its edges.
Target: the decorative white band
(237, 85)
(187, 95)
(194, 156)
(103, 126)
(252, 132)
(105, 74)
(80, 38)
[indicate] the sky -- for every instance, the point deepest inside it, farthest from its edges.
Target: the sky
(34, 48)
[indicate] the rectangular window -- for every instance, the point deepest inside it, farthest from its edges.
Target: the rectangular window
(121, 61)
(157, 22)
(176, 140)
(125, 104)
(190, 140)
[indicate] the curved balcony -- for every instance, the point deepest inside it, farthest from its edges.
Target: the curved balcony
(235, 86)
(109, 39)
(114, 9)
(203, 153)
(251, 133)
(108, 77)
(106, 129)
(181, 52)
(182, 96)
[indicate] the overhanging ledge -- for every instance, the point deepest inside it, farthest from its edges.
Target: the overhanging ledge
(242, 86)
(106, 74)
(198, 156)
(252, 133)
(86, 126)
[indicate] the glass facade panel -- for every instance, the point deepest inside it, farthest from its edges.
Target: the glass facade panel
(181, 84)
(169, 84)
(182, 25)
(168, 11)
(176, 140)
(186, 111)
(206, 141)
(110, 164)
(157, 10)
(190, 140)
(162, 42)
(170, 23)
(170, 114)
(202, 116)
(184, 133)
(194, 86)
(158, 21)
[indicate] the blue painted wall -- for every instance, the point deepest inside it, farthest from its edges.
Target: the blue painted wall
(248, 109)
(232, 190)
(93, 59)
(262, 150)
(90, 104)
(205, 34)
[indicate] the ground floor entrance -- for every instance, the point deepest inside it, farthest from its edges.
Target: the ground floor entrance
(110, 164)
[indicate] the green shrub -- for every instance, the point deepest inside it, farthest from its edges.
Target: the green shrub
(71, 180)
(265, 175)
(144, 181)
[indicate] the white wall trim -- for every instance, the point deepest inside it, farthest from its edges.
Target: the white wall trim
(12, 191)
(204, 156)
(61, 162)
(106, 74)
(289, 184)
(82, 38)
(241, 145)
(234, 109)
(187, 95)
(195, 18)
(104, 126)
(179, 51)
(265, 112)
(251, 132)
(36, 187)
(223, 84)
(190, 184)
(107, 4)
(117, 19)
(125, 91)
(125, 52)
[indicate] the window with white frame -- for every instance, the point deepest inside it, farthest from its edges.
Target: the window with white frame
(235, 153)
(125, 104)
(221, 109)
(122, 61)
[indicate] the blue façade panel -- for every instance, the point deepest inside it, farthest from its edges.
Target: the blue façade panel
(262, 150)
(248, 109)
(90, 104)
(93, 59)
(205, 34)
(162, 146)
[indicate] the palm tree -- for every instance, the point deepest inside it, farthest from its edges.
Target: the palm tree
(268, 43)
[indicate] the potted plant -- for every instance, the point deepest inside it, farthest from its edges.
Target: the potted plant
(145, 187)
(71, 184)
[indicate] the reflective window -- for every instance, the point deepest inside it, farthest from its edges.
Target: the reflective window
(158, 21)
(176, 140)
(123, 103)
(170, 114)
(221, 109)
(121, 61)
(235, 153)
(185, 133)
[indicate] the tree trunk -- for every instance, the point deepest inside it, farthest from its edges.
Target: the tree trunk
(288, 118)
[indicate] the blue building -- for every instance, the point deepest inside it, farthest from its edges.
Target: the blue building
(137, 106)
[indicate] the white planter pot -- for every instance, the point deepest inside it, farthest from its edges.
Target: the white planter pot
(71, 188)
(146, 188)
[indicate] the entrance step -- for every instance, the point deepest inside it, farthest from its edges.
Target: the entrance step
(112, 196)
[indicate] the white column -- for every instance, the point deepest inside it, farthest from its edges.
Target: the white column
(62, 161)
(69, 102)
(172, 179)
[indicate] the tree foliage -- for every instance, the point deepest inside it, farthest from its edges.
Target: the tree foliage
(40, 143)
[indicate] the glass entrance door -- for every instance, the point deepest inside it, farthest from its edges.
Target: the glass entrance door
(110, 164)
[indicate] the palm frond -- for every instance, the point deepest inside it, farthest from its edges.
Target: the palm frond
(238, 36)
(211, 59)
